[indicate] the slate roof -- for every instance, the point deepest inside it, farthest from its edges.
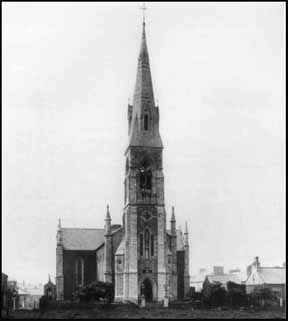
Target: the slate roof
(82, 238)
(223, 278)
(272, 275)
(121, 248)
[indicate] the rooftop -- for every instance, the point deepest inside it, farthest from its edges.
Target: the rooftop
(82, 238)
(273, 275)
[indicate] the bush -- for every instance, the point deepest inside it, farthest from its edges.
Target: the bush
(213, 294)
(43, 302)
(236, 294)
(95, 291)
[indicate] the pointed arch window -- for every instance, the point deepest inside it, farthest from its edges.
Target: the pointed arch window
(79, 272)
(141, 244)
(147, 241)
(152, 245)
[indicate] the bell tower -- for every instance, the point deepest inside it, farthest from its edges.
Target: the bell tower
(144, 217)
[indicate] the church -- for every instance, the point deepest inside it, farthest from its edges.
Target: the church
(142, 256)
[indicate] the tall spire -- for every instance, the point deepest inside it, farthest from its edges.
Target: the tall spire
(144, 115)
(143, 8)
(143, 87)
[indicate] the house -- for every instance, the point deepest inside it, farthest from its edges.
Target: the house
(29, 297)
(221, 277)
(268, 277)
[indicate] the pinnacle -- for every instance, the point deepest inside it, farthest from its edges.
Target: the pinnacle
(173, 215)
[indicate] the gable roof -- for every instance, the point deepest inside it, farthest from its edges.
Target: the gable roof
(82, 238)
(223, 278)
(272, 275)
(121, 248)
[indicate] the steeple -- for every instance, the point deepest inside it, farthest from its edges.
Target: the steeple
(143, 116)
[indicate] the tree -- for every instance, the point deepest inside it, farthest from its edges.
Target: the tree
(213, 294)
(236, 294)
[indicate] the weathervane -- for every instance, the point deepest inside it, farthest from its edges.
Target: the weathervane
(143, 8)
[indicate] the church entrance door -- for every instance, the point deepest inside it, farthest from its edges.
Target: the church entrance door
(146, 290)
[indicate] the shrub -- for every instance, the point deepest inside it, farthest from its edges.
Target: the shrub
(95, 291)
(236, 294)
(213, 294)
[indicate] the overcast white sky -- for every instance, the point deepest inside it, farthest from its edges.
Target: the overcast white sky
(218, 71)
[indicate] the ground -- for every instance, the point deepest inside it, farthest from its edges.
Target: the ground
(118, 311)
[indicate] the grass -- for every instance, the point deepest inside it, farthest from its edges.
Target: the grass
(121, 311)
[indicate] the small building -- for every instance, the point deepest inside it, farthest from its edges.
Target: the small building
(268, 277)
(29, 297)
(4, 287)
(223, 279)
(50, 290)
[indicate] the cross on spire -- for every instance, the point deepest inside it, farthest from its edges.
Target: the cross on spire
(143, 8)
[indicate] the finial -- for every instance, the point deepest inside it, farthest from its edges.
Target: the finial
(59, 223)
(143, 8)
(173, 215)
(186, 228)
(108, 212)
(49, 278)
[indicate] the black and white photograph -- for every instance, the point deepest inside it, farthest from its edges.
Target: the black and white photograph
(143, 160)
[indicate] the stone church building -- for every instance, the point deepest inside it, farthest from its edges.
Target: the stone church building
(141, 256)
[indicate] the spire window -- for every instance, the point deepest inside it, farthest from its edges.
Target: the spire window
(141, 244)
(146, 122)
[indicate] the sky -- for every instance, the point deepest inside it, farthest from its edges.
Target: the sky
(218, 72)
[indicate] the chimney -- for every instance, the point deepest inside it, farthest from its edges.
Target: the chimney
(256, 262)
(202, 270)
(234, 271)
(218, 270)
